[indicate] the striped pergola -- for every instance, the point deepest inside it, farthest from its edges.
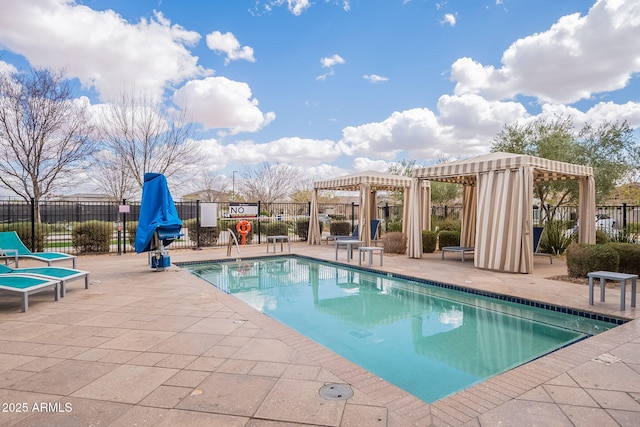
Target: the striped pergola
(498, 205)
(367, 183)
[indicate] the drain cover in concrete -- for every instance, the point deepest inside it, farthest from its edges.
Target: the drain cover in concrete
(335, 392)
(606, 359)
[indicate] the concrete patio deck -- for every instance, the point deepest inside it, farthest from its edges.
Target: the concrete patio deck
(141, 347)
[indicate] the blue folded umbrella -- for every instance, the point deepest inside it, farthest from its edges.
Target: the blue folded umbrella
(158, 214)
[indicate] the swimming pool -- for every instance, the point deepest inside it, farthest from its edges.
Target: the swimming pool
(429, 339)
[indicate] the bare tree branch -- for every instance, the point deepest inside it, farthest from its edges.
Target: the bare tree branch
(269, 183)
(44, 133)
(145, 137)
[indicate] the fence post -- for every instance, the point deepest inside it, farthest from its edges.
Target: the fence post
(258, 218)
(33, 226)
(353, 210)
(198, 223)
(124, 227)
(624, 216)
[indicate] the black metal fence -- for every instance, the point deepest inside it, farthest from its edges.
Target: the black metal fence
(57, 220)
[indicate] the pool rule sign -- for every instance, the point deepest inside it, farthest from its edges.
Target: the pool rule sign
(243, 210)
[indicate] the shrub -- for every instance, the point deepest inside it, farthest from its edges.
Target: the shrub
(132, 228)
(208, 235)
(394, 225)
(449, 224)
(633, 227)
(395, 243)
(556, 238)
(583, 259)
(340, 228)
(629, 254)
(601, 237)
(92, 236)
(449, 238)
(302, 228)
(279, 228)
(429, 241)
(24, 232)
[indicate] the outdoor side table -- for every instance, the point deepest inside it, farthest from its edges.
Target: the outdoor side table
(362, 252)
(461, 249)
(350, 244)
(276, 239)
(622, 277)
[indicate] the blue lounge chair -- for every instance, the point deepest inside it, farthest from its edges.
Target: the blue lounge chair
(9, 240)
(537, 237)
(375, 225)
(27, 285)
(53, 273)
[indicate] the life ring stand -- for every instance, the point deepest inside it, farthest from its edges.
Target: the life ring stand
(243, 227)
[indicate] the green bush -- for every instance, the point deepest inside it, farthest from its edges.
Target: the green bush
(449, 238)
(208, 236)
(601, 237)
(279, 228)
(583, 259)
(132, 228)
(394, 225)
(555, 239)
(340, 228)
(302, 228)
(633, 227)
(92, 236)
(395, 243)
(24, 232)
(429, 241)
(448, 224)
(629, 254)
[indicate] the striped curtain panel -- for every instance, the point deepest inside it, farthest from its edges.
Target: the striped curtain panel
(425, 188)
(413, 220)
(314, 235)
(469, 213)
(364, 218)
(587, 213)
(503, 234)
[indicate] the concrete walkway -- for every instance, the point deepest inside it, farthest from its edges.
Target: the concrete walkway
(150, 348)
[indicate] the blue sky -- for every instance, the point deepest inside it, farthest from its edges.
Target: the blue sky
(341, 86)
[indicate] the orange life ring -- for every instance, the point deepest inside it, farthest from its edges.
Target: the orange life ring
(243, 228)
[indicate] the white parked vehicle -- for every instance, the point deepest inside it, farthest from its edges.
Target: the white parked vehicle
(605, 222)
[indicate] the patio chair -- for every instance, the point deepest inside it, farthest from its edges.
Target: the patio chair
(375, 225)
(26, 285)
(9, 240)
(61, 274)
(537, 237)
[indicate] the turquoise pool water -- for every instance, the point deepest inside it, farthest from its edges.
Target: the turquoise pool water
(428, 340)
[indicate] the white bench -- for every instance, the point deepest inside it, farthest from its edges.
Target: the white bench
(610, 275)
(362, 252)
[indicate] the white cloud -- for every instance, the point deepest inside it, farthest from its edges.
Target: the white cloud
(466, 126)
(329, 62)
(221, 103)
(100, 47)
(449, 19)
(374, 78)
(576, 58)
(294, 6)
(361, 164)
(6, 68)
(308, 153)
(229, 45)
